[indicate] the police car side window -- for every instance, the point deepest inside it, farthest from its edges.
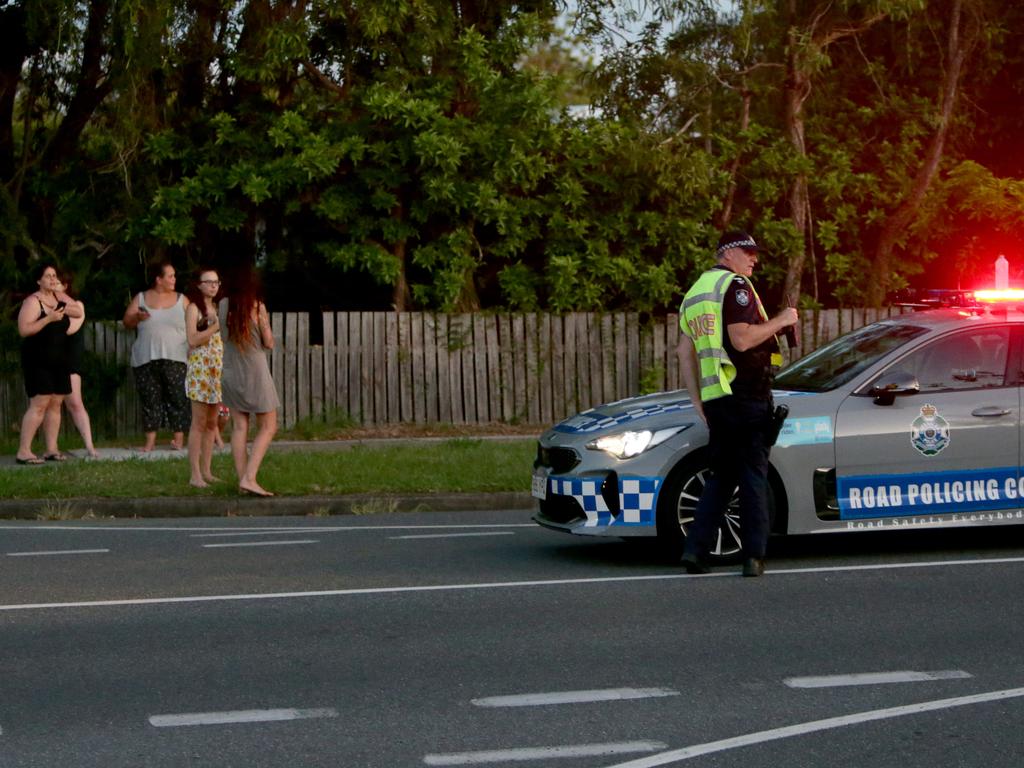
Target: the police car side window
(973, 359)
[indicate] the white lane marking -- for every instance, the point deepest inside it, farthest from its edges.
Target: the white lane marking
(274, 532)
(452, 535)
(236, 531)
(59, 552)
(801, 729)
(542, 753)
(240, 716)
(490, 585)
(573, 697)
(875, 678)
(261, 543)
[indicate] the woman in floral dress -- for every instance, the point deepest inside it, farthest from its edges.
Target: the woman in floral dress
(202, 382)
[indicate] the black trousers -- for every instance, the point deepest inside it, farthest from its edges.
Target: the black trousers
(162, 397)
(740, 428)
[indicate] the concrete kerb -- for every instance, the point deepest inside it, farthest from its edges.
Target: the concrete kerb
(243, 506)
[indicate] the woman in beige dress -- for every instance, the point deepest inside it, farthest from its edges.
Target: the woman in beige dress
(246, 385)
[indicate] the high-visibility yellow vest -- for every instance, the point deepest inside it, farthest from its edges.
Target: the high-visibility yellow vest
(700, 318)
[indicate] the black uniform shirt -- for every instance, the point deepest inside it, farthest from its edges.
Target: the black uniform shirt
(754, 372)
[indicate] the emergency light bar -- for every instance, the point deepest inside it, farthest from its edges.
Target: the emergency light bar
(1006, 294)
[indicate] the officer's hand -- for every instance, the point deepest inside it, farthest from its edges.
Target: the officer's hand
(788, 317)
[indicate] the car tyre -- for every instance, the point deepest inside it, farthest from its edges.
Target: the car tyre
(677, 503)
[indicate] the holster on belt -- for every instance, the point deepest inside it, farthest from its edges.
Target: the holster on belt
(778, 417)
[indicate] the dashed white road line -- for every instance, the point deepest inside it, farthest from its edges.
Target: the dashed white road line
(412, 589)
(348, 529)
(240, 716)
(59, 552)
(874, 678)
(453, 535)
(573, 697)
(814, 726)
(261, 543)
(543, 753)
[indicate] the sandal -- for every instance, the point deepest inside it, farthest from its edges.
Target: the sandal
(55, 456)
(31, 460)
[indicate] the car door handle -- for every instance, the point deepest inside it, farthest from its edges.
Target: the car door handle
(990, 410)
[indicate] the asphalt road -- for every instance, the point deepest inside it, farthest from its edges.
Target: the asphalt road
(480, 639)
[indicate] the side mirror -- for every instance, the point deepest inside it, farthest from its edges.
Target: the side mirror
(885, 389)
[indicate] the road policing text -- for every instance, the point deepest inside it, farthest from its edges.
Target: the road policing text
(882, 495)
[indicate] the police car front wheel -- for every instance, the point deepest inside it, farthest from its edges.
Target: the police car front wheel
(677, 504)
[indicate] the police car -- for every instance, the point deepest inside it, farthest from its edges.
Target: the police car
(910, 422)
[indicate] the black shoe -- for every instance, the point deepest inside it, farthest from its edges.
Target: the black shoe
(753, 566)
(694, 564)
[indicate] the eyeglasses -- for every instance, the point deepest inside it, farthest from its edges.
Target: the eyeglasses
(210, 282)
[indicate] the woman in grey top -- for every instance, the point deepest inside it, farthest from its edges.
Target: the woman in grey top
(246, 385)
(160, 356)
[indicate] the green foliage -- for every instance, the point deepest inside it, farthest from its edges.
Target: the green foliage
(652, 379)
(407, 152)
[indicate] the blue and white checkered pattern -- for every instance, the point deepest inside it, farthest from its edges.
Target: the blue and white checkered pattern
(637, 499)
(585, 422)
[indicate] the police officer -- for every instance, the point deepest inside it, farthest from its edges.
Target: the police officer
(729, 354)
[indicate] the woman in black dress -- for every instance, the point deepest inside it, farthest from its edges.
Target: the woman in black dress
(43, 324)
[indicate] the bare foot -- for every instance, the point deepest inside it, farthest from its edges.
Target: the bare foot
(175, 445)
(145, 449)
(254, 489)
(94, 454)
(212, 479)
(198, 484)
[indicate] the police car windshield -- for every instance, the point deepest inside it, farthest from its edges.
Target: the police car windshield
(839, 361)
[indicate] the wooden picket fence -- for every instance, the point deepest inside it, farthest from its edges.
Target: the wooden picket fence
(379, 368)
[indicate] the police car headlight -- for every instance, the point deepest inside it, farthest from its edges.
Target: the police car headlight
(625, 445)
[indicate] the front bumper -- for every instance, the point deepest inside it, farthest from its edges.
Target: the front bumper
(600, 504)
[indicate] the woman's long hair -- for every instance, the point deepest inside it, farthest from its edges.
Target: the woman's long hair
(244, 293)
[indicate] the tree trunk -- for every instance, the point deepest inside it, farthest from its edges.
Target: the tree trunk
(13, 51)
(902, 218)
(91, 89)
(400, 292)
(797, 89)
(200, 48)
(724, 218)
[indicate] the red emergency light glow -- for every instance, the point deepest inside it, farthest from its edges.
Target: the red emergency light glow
(1007, 294)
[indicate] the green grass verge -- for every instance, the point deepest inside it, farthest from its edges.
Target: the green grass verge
(451, 466)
